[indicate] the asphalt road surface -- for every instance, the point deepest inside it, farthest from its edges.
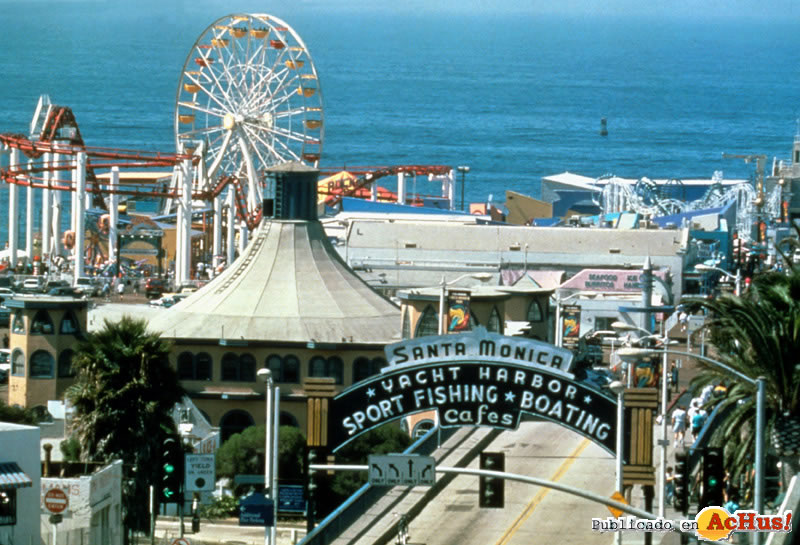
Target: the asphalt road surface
(532, 515)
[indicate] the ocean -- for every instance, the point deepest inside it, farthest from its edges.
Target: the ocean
(514, 97)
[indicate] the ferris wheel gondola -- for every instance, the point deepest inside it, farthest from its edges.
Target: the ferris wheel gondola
(248, 98)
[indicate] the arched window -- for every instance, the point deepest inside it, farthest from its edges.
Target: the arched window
(247, 368)
(65, 369)
(185, 366)
(364, 368)
(42, 364)
(202, 366)
(535, 313)
(42, 324)
(18, 324)
(230, 366)
(336, 369)
(285, 369)
(18, 363)
(69, 324)
(287, 419)
(406, 324)
(495, 325)
(291, 369)
(275, 364)
(238, 367)
(194, 366)
(428, 323)
(332, 367)
(318, 367)
(235, 421)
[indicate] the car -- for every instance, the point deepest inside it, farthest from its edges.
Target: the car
(5, 364)
(65, 291)
(88, 286)
(154, 287)
(33, 285)
(166, 302)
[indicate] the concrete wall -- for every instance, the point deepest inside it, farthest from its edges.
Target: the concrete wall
(20, 444)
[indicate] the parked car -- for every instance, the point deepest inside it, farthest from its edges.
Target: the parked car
(33, 285)
(166, 302)
(154, 287)
(5, 364)
(88, 286)
(66, 291)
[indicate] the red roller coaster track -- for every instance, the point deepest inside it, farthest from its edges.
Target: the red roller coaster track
(60, 134)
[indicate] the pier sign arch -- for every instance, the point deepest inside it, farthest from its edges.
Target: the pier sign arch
(475, 379)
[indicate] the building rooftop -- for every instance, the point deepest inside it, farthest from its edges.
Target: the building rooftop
(289, 285)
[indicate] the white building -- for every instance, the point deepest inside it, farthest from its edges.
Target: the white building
(93, 515)
(20, 474)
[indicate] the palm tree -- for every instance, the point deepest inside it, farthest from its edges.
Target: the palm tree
(757, 334)
(124, 392)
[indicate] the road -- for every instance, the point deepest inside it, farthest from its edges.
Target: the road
(532, 515)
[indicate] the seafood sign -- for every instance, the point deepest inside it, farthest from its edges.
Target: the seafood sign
(475, 379)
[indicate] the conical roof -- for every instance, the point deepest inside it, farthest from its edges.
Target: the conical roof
(289, 285)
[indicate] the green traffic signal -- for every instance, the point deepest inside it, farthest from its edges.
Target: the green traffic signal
(169, 468)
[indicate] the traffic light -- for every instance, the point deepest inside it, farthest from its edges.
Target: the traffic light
(491, 490)
(171, 470)
(313, 482)
(681, 481)
(713, 475)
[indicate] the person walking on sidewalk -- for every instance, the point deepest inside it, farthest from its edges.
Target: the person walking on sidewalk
(679, 425)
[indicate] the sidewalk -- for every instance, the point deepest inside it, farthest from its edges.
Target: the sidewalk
(222, 532)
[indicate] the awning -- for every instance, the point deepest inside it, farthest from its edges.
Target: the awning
(12, 476)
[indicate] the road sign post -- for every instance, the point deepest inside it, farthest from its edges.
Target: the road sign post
(401, 470)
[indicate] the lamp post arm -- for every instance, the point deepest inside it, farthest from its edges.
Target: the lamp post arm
(715, 363)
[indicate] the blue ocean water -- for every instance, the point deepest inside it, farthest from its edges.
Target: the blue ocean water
(514, 97)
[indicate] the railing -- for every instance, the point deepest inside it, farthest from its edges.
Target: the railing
(366, 496)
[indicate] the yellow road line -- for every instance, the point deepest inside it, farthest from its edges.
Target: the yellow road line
(525, 515)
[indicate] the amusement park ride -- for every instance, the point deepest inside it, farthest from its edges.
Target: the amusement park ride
(248, 99)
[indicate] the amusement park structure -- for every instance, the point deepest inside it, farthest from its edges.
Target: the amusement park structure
(248, 99)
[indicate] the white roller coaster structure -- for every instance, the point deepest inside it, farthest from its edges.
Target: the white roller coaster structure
(645, 198)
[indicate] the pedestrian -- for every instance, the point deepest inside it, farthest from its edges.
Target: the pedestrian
(673, 375)
(698, 421)
(679, 425)
(121, 289)
(669, 482)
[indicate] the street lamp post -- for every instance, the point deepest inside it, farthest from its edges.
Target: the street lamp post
(463, 169)
(618, 388)
(737, 278)
(761, 398)
(663, 441)
(483, 277)
(271, 450)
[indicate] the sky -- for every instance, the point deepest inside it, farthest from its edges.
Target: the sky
(777, 10)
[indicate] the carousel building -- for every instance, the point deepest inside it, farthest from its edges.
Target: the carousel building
(288, 303)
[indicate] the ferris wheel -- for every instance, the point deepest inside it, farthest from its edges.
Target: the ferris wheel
(248, 98)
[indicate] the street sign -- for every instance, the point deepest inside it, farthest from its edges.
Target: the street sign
(181, 541)
(199, 473)
(248, 479)
(402, 469)
(617, 496)
(291, 498)
(695, 323)
(256, 510)
(56, 501)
